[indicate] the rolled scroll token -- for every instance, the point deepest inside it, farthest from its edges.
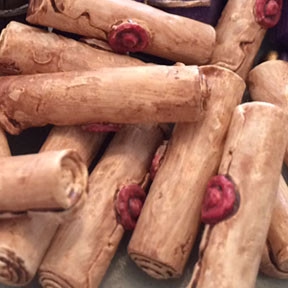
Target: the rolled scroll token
(29, 50)
(170, 219)
(239, 202)
(240, 32)
(19, 260)
(128, 26)
(116, 196)
(174, 94)
(50, 181)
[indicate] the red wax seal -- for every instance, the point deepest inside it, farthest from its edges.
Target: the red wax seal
(268, 12)
(129, 204)
(128, 37)
(101, 127)
(220, 200)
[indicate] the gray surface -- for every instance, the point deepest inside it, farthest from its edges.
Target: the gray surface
(124, 274)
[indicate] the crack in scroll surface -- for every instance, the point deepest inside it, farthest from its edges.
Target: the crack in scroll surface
(240, 120)
(205, 91)
(238, 48)
(95, 261)
(54, 6)
(201, 255)
(85, 14)
(243, 46)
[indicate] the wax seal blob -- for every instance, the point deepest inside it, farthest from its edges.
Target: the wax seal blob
(268, 12)
(129, 203)
(128, 37)
(102, 127)
(220, 200)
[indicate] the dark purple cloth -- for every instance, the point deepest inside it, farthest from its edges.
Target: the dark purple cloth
(208, 15)
(278, 36)
(283, 56)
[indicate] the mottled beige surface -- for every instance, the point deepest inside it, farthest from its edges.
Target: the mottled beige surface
(26, 50)
(46, 181)
(160, 246)
(18, 238)
(94, 19)
(238, 37)
(231, 250)
(113, 95)
(84, 247)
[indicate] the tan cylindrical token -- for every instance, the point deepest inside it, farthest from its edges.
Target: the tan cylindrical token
(274, 261)
(80, 259)
(169, 222)
(116, 95)
(23, 245)
(239, 209)
(19, 260)
(129, 27)
(28, 50)
(268, 82)
(240, 32)
(72, 137)
(50, 181)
